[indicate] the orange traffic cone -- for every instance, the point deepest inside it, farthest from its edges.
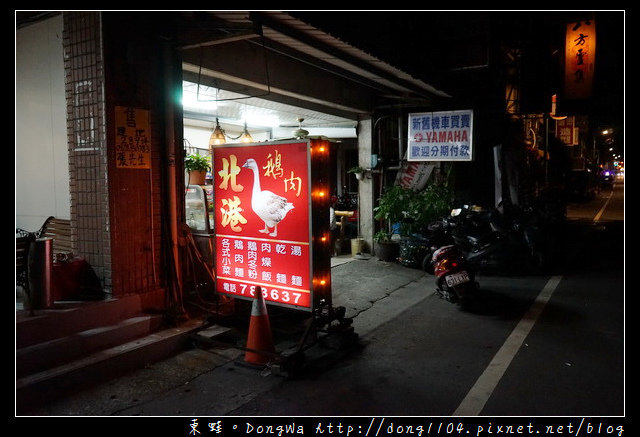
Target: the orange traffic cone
(260, 341)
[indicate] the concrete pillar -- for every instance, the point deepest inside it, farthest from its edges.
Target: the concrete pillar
(365, 186)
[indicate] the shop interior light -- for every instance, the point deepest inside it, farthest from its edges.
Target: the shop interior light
(217, 136)
(246, 136)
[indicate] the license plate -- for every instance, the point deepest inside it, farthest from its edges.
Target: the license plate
(457, 278)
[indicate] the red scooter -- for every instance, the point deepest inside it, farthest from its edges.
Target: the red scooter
(455, 280)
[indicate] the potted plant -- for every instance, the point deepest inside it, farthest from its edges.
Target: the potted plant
(197, 167)
(358, 171)
(424, 207)
(390, 210)
(392, 204)
(412, 211)
(385, 248)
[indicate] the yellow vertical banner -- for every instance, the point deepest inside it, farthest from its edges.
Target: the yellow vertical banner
(580, 56)
(133, 138)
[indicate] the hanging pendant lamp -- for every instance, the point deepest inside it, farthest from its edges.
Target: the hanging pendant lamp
(246, 136)
(217, 136)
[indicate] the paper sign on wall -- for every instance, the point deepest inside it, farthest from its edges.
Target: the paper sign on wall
(133, 138)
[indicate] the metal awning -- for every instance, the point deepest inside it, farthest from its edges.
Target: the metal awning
(275, 65)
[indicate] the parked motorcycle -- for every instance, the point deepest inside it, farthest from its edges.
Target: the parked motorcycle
(509, 241)
(438, 235)
(473, 239)
(455, 279)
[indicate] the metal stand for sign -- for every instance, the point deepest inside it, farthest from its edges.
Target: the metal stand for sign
(327, 336)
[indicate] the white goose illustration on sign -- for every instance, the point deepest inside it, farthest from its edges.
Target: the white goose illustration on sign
(270, 207)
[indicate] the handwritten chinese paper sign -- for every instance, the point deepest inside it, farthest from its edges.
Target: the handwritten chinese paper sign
(441, 136)
(262, 222)
(133, 138)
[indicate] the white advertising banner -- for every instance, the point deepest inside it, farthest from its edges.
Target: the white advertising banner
(441, 136)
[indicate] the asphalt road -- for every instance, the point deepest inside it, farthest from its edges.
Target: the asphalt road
(538, 346)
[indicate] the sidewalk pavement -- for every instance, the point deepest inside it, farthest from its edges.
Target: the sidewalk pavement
(214, 381)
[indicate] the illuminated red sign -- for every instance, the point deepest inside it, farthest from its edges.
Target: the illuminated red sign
(580, 55)
(262, 201)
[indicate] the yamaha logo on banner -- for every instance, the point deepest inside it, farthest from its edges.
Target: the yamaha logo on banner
(441, 136)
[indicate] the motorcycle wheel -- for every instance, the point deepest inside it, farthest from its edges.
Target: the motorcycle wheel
(427, 264)
(445, 292)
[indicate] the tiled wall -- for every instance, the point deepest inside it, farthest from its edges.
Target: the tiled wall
(84, 83)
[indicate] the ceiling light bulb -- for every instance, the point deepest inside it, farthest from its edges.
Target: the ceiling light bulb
(246, 136)
(217, 136)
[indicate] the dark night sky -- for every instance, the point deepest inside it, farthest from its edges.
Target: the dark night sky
(417, 41)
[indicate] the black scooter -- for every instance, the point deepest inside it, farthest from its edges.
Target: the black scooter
(506, 242)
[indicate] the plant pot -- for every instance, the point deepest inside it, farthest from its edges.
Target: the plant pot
(387, 250)
(197, 177)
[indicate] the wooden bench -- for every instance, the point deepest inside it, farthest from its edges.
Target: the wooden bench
(59, 230)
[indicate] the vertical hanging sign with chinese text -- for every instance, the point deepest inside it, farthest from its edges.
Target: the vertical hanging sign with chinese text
(580, 56)
(262, 222)
(133, 138)
(566, 131)
(441, 136)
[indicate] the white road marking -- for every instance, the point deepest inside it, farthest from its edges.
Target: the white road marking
(479, 394)
(599, 214)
